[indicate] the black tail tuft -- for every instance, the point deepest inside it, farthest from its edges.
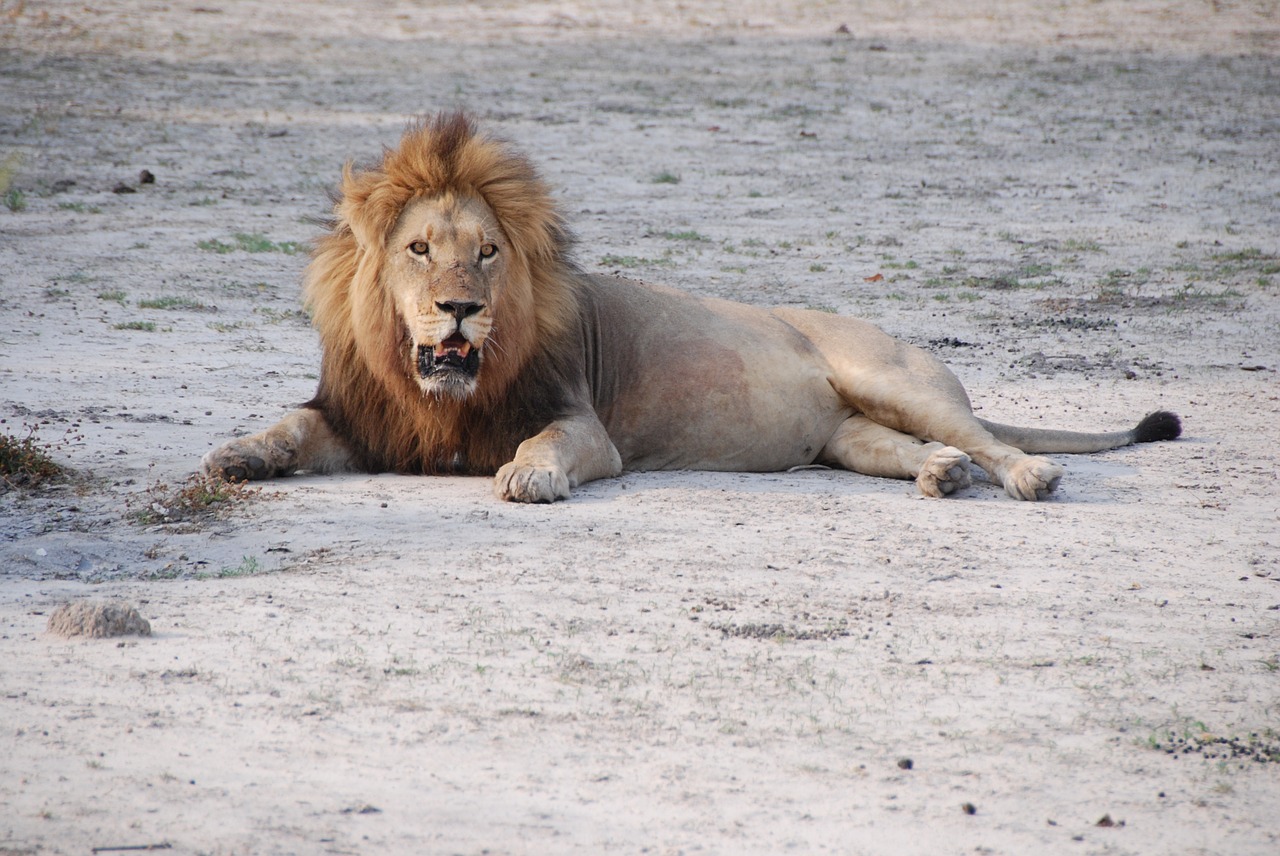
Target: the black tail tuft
(1161, 425)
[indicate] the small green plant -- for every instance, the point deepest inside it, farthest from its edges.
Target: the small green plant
(817, 268)
(633, 262)
(689, 235)
(173, 302)
(1246, 255)
(665, 177)
(248, 567)
(200, 497)
(277, 316)
(116, 295)
(14, 198)
(8, 169)
(27, 462)
(144, 326)
(250, 242)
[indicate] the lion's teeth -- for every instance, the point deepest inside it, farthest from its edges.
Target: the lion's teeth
(445, 348)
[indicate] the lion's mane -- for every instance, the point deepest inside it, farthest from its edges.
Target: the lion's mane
(366, 392)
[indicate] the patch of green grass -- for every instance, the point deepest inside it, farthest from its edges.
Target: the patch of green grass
(8, 169)
(1117, 282)
(1078, 246)
(1192, 294)
(665, 177)
(613, 261)
(1248, 254)
(754, 194)
(227, 327)
(173, 302)
(15, 200)
(689, 235)
(817, 268)
(277, 316)
(249, 566)
(118, 296)
(79, 208)
(144, 326)
(1001, 282)
(251, 242)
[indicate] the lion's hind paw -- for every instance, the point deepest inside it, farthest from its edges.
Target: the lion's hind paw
(944, 472)
(1032, 479)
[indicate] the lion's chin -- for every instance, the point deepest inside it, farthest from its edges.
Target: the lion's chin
(448, 369)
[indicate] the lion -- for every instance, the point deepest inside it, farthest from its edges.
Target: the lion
(459, 336)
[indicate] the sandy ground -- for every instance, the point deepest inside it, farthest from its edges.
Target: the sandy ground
(1077, 205)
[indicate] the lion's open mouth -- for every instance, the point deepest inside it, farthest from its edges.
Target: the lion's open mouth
(454, 354)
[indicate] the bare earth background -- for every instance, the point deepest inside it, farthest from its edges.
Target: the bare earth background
(1076, 204)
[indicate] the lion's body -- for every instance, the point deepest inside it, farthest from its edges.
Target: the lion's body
(458, 337)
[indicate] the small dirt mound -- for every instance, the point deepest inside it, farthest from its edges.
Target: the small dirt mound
(97, 620)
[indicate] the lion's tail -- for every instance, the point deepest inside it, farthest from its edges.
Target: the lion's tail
(1161, 425)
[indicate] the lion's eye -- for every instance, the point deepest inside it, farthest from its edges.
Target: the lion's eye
(488, 251)
(419, 248)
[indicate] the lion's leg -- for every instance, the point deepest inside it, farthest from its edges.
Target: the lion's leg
(302, 440)
(871, 449)
(565, 454)
(925, 412)
(917, 395)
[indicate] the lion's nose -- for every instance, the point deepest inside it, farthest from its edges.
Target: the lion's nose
(459, 308)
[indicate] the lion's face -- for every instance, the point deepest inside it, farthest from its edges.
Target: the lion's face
(445, 264)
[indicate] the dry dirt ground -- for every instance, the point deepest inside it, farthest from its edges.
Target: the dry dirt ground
(1077, 205)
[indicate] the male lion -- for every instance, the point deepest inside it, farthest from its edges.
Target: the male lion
(459, 337)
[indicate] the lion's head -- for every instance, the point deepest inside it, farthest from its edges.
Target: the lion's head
(457, 255)
(444, 277)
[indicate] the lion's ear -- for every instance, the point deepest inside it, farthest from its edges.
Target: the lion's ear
(369, 206)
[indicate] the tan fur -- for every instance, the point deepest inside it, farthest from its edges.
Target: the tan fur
(458, 336)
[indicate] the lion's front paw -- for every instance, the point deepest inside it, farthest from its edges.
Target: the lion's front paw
(1032, 479)
(944, 472)
(521, 483)
(247, 459)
